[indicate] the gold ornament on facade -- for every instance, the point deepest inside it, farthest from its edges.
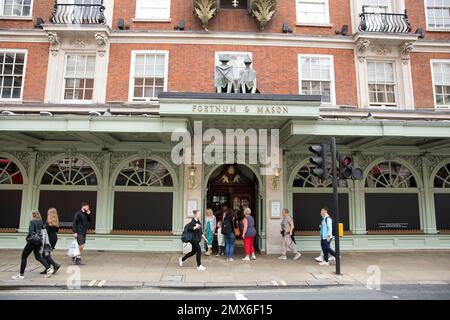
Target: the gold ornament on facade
(192, 181)
(205, 11)
(275, 181)
(263, 11)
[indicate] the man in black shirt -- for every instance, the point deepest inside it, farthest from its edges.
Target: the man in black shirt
(79, 227)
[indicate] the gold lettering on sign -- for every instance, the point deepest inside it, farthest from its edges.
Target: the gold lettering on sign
(277, 110)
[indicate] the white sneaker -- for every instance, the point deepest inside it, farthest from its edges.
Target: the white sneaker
(331, 258)
(201, 268)
(282, 257)
(18, 277)
(230, 259)
(319, 258)
(180, 262)
(247, 258)
(324, 263)
(297, 256)
(49, 272)
(253, 257)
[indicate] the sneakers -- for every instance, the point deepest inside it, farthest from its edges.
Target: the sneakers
(319, 258)
(324, 263)
(253, 257)
(49, 272)
(218, 255)
(282, 257)
(56, 268)
(297, 256)
(230, 259)
(331, 258)
(180, 262)
(247, 258)
(18, 277)
(201, 268)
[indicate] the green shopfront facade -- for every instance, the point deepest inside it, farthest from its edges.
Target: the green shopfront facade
(122, 165)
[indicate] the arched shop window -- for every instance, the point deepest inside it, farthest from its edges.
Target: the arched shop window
(11, 188)
(143, 198)
(391, 199)
(441, 192)
(65, 184)
(310, 194)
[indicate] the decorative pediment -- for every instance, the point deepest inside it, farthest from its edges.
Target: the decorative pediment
(231, 175)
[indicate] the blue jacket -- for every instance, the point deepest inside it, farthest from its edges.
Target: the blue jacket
(326, 228)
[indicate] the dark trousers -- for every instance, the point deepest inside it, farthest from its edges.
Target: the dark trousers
(196, 250)
(326, 249)
(50, 261)
(29, 248)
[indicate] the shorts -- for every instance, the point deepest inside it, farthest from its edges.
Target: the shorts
(81, 239)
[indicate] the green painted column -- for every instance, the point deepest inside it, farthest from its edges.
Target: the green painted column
(357, 206)
(104, 217)
(178, 210)
(428, 214)
(29, 194)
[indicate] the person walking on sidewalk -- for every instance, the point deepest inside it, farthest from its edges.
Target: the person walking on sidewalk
(326, 236)
(210, 228)
(248, 234)
(52, 227)
(34, 244)
(220, 240)
(228, 226)
(79, 227)
(287, 229)
(196, 228)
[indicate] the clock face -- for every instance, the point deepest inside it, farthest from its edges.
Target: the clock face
(231, 170)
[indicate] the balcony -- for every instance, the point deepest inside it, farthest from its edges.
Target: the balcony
(92, 14)
(384, 22)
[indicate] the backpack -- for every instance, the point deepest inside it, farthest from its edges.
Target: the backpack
(227, 227)
(187, 236)
(333, 226)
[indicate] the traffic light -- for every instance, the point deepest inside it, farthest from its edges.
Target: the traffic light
(319, 160)
(346, 170)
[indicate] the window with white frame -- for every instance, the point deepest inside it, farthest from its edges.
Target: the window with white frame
(236, 60)
(438, 13)
(381, 82)
(441, 83)
(316, 76)
(16, 8)
(79, 77)
(148, 75)
(12, 73)
(312, 12)
(376, 6)
(153, 9)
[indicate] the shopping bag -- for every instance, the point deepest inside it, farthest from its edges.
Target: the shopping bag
(74, 249)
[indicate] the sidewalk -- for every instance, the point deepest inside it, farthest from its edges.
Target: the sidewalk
(161, 270)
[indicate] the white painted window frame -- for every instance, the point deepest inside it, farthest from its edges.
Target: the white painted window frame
(160, 19)
(134, 53)
(445, 107)
(397, 85)
(332, 76)
(218, 53)
(24, 51)
(428, 28)
(72, 101)
(304, 23)
(29, 17)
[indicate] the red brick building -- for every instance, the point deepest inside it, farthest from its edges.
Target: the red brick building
(381, 67)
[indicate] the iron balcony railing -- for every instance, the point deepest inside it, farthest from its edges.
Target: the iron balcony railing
(384, 22)
(78, 13)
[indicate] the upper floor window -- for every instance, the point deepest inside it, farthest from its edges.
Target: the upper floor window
(148, 75)
(382, 86)
(12, 71)
(233, 4)
(16, 8)
(317, 76)
(153, 9)
(438, 13)
(79, 77)
(376, 6)
(441, 83)
(313, 12)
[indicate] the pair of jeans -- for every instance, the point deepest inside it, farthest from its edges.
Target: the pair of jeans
(29, 248)
(196, 250)
(229, 245)
(326, 249)
(248, 245)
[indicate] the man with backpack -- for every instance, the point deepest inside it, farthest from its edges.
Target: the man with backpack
(193, 234)
(326, 236)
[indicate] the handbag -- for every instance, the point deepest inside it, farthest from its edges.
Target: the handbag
(35, 238)
(237, 231)
(74, 249)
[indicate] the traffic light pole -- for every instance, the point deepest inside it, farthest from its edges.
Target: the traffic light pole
(336, 203)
